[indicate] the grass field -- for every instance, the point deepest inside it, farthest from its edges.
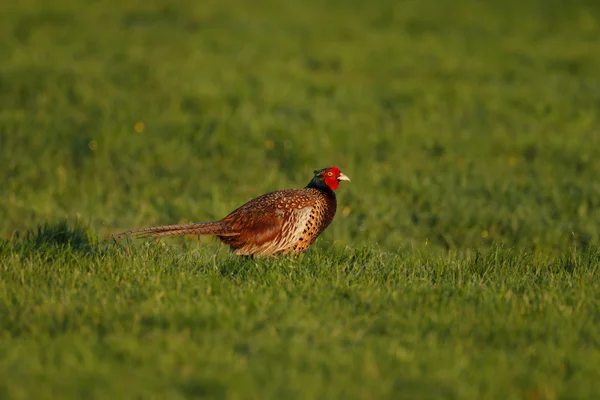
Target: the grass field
(464, 260)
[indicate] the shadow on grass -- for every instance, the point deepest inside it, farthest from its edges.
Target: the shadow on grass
(54, 237)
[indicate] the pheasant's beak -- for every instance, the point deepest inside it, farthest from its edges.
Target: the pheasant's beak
(343, 177)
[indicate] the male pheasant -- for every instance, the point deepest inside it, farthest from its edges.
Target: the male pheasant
(279, 222)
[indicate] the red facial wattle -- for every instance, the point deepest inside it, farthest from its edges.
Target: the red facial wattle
(331, 178)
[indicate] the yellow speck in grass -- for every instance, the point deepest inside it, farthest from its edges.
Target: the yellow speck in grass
(346, 211)
(269, 144)
(93, 145)
(139, 127)
(484, 234)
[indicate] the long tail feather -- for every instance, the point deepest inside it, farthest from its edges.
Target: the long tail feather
(200, 228)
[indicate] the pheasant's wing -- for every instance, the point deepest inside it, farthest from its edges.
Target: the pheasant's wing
(266, 233)
(256, 230)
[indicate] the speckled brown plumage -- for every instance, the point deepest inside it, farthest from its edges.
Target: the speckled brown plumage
(279, 222)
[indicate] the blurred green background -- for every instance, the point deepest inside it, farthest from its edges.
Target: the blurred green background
(464, 259)
(461, 123)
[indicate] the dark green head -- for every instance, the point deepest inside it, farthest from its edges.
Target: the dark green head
(328, 178)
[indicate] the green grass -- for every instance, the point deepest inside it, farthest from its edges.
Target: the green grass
(463, 262)
(94, 320)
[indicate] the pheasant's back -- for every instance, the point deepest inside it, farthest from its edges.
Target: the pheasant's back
(280, 222)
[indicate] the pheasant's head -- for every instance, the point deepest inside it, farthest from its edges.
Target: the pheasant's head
(329, 177)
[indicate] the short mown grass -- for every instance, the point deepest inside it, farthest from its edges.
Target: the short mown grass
(101, 320)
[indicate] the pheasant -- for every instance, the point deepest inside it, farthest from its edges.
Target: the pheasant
(280, 222)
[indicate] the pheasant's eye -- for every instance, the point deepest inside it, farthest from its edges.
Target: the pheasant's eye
(330, 173)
